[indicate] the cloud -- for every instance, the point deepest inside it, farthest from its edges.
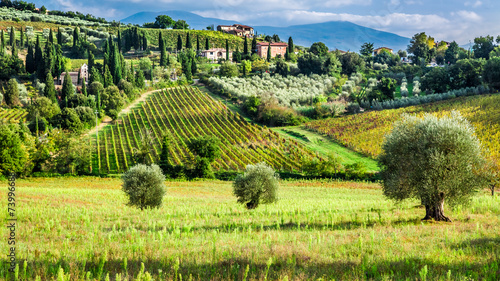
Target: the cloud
(476, 4)
(468, 15)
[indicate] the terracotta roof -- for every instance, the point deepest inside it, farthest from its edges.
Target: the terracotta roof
(242, 26)
(215, 50)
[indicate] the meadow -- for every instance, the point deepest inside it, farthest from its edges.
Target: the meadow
(81, 229)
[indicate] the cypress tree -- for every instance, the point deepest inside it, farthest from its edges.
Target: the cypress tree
(49, 58)
(227, 50)
(59, 36)
(51, 36)
(39, 63)
(188, 73)
(140, 43)
(12, 36)
(194, 67)
(78, 78)
(30, 60)
(117, 72)
(287, 55)
(291, 47)
(21, 44)
(136, 39)
(131, 74)
(58, 63)
(207, 44)
(119, 41)
(108, 78)
(144, 42)
(245, 46)
(163, 52)
(67, 88)
(3, 40)
(179, 43)
(91, 59)
(197, 42)
(254, 45)
(14, 50)
(139, 79)
(123, 67)
(188, 42)
(269, 52)
(50, 90)
(84, 87)
(165, 155)
(75, 37)
(95, 76)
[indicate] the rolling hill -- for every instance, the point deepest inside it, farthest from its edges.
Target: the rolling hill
(340, 35)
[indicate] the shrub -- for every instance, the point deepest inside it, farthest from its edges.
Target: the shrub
(144, 186)
(258, 184)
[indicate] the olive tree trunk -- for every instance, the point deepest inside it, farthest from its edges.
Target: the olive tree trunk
(436, 211)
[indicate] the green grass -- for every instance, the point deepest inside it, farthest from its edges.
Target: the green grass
(325, 146)
(329, 230)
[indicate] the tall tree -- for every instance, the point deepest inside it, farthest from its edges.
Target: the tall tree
(12, 93)
(30, 60)
(227, 50)
(291, 47)
(144, 43)
(50, 90)
(91, 60)
(179, 43)
(188, 42)
(84, 87)
(197, 42)
(451, 54)
(108, 77)
(483, 46)
(245, 46)
(269, 52)
(3, 40)
(51, 36)
(419, 47)
(207, 44)
(12, 36)
(67, 88)
(366, 49)
(164, 21)
(39, 63)
(254, 45)
(75, 37)
(21, 38)
(119, 41)
(59, 36)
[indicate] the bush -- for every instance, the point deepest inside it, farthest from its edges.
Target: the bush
(144, 186)
(258, 184)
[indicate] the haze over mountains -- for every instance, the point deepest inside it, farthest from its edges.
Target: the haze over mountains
(340, 35)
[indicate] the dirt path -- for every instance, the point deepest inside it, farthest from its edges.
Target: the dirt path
(107, 120)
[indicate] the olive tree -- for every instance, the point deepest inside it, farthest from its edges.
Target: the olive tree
(432, 159)
(258, 184)
(144, 186)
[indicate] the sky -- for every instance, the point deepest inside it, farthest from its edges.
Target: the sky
(448, 20)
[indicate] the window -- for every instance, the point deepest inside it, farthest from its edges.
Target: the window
(211, 53)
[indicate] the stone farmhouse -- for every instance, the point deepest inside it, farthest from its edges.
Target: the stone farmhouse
(276, 49)
(237, 29)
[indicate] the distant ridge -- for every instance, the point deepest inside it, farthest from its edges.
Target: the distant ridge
(342, 35)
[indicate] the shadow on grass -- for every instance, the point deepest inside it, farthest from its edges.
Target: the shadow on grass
(294, 265)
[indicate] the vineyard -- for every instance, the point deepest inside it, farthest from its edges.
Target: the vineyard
(12, 115)
(184, 113)
(365, 132)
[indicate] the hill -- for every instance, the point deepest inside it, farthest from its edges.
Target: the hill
(186, 113)
(340, 35)
(365, 132)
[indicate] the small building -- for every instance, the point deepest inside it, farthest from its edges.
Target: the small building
(84, 76)
(379, 50)
(215, 54)
(276, 49)
(237, 29)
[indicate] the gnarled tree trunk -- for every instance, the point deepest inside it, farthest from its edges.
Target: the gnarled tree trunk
(436, 211)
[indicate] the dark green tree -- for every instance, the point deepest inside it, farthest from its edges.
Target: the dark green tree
(51, 36)
(419, 47)
(291, 47)
(269, 52)
(180, 24)
(50, 90)
(14, 153)
(245, 47)
(67, 88)
(12, 36)
(197, 42)
(351, 63)
(483, 46)
(21, 39)
(179, 43)
(491, 72)
(319, 49)
(107, 77)
(282, 68)
(30, 60)
(76, 38)
(11, 94)
(227, 50)
(207, 44)
(254, 45)
(139, 79)
(258, 184)
(59, 36)
(164, 21)
(189, 45)
(144, 186)
(366, 49)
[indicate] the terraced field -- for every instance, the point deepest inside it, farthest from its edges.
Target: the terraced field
(186, 112)
(14, 115)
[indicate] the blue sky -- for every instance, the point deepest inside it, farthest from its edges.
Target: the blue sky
(442, 19)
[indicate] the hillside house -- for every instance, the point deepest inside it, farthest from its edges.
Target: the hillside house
(84, 74)
(379, 50)
(237, 29)
(215, 54)
(276, 49)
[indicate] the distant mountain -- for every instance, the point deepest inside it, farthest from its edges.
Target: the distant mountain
(195, 21)
(342, 35)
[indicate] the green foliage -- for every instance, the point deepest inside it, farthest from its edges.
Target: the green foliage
(112, 101)
(228, 69)
(251, 105)
(258, 184)
(164, 21)
(436, 81)
(366, 49)
(144, 186)
(282, 68)
(431, 159)
(205, 147)
(491, 72)
(483, 46)
(351, 63)
(70, 120)
(419, 47)
(12, 93)
(44, 108)
(322, 167)
(451, 54)
(14, 154)
(319, 49)
(67, 88)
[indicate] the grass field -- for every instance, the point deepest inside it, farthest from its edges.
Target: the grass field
(325, 146)
(316, 231)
